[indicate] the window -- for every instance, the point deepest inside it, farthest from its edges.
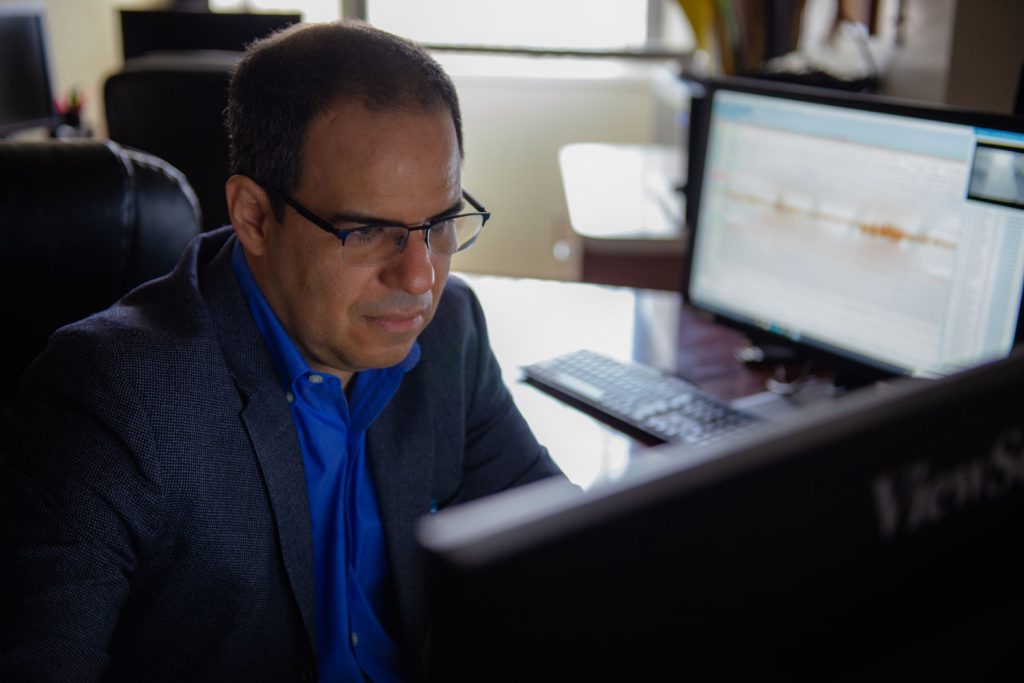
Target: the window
(546, 24)
(312, 10)
(579, 24)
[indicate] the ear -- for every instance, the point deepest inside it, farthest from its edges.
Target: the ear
(251, 213)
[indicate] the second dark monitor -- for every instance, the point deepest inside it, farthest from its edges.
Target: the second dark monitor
(144, 31)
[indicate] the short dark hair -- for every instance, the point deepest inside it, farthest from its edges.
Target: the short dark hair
(285, 80)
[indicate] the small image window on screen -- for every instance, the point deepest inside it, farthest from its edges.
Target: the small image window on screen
(997, 175)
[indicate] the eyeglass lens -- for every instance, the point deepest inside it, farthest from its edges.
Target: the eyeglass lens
(374, 245)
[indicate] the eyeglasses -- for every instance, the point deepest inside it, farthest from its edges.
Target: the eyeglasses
(376, 243)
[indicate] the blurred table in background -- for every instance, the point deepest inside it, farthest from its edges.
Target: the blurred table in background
(626, 206)
(533, 320)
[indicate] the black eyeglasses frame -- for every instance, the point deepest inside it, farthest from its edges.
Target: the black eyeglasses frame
(343, 233)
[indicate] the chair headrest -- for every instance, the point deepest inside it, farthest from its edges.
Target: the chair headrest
(172, 105)
(185, 61)
(81, 223)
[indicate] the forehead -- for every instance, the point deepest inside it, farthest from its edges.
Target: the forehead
(363, 156)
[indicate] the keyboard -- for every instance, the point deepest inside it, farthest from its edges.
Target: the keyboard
(644, 399)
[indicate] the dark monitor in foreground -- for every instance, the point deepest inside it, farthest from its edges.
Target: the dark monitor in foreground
(148, 31)
(887, 235)
(26, 96)
(872, 538)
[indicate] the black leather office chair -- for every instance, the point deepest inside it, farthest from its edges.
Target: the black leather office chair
(81, 223)
(172, 105)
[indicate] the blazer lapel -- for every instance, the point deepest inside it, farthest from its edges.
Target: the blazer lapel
(268, 420)
(280, 459)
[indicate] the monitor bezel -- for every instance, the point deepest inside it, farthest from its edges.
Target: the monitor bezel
(850, 368)
(37, 12)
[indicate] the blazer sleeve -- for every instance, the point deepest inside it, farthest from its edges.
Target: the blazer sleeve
(78, 501)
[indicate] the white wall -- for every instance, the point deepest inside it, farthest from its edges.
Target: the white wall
(514, 126)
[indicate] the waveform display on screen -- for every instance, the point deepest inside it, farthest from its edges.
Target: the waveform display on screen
(881, 243)
(886, 231)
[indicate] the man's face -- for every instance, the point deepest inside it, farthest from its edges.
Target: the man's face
(397, 166)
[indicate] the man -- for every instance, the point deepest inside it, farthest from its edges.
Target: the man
(218, 477)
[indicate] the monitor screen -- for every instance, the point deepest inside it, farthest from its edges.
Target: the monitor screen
(26, 98)
(882, 233)
(146, 31)
(869, 539)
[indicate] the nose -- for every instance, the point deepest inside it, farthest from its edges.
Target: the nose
(413, 269)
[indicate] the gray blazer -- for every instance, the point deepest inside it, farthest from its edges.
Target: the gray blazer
(153, 511)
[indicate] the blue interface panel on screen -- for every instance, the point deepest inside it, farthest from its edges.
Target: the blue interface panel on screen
(882, 233)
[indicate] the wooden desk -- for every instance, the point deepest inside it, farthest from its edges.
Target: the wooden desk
(625, 206)
(531, 320)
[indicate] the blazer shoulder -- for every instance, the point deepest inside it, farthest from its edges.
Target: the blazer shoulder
(156, 323)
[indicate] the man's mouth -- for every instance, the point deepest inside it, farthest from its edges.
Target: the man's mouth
(401, 322)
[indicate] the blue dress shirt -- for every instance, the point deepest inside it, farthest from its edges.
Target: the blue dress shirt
(353, 594)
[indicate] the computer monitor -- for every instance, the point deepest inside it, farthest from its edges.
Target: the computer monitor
(867, 539)
(148, 31)
(888, 235)
(26, 94)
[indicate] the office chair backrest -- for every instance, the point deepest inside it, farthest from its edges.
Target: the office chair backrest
(81, 223)
(172, 105)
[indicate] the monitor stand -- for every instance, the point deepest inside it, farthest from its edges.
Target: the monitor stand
(774, 404)
(791, 367)
(799, 377)
(792, 364)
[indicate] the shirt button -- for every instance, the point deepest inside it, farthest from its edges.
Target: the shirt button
(290, 396)
(355, 639)
(316, 379)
